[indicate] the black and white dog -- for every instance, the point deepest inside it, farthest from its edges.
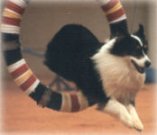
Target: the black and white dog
(109, 74)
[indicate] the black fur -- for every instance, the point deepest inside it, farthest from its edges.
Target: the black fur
(68, 54)
(126, 45)
(140, 33)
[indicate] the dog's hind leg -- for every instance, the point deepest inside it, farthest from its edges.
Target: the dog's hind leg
(117, 109)
(136, 120)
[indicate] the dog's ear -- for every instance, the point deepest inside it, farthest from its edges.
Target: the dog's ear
(141, 29)
(140, 32)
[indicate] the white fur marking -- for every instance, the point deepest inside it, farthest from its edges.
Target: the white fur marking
(105, 48)
(138, 39)
(137, 122)
(119, 110)
(141, 61)
(119, 77)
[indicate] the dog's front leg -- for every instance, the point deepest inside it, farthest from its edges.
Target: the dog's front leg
(117, 109)
(136, 120)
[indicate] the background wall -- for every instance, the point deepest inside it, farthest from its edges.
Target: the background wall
(43, 19)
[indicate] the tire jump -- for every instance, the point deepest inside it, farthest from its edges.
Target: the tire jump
(20, 70)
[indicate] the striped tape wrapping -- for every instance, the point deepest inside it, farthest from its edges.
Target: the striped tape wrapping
(20, 71)
(30, 84)
(73, 101)
(12, 15)
(23, 75)
(116, 16)
(113, 9)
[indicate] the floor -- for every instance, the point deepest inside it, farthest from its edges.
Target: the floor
(21, 115)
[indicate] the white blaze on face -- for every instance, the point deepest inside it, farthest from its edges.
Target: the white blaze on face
(140, 61)
(138, 39)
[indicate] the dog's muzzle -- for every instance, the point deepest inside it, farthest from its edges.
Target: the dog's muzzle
(141, 69)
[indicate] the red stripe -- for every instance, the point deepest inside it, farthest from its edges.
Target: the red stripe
(14, 7)
(110, 5)
(22, 69)
(28, 83)
(11, 21)
(115, 15)
(75, 102)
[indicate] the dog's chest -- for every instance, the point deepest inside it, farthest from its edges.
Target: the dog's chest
(120, 79)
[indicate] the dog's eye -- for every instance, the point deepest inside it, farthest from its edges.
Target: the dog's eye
(138, 48)
(145, 48)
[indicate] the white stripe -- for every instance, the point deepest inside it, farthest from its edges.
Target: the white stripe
(5, 28)
(66, 102)
(123, 17)
(138, 39)
(16, 65)
(116, 108)
(147, 58)
(82, 100)
(103, 2)
(63, 102)
(20, 3)
(32, 87)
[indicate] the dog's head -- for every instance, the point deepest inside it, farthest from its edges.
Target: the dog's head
(135, 47)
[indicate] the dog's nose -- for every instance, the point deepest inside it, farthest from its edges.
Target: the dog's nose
(147, 63)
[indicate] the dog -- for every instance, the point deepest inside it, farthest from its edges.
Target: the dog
(109, 74)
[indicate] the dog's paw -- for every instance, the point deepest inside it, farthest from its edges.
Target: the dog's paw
(135, 118)
(138, 125)
(127, 120)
